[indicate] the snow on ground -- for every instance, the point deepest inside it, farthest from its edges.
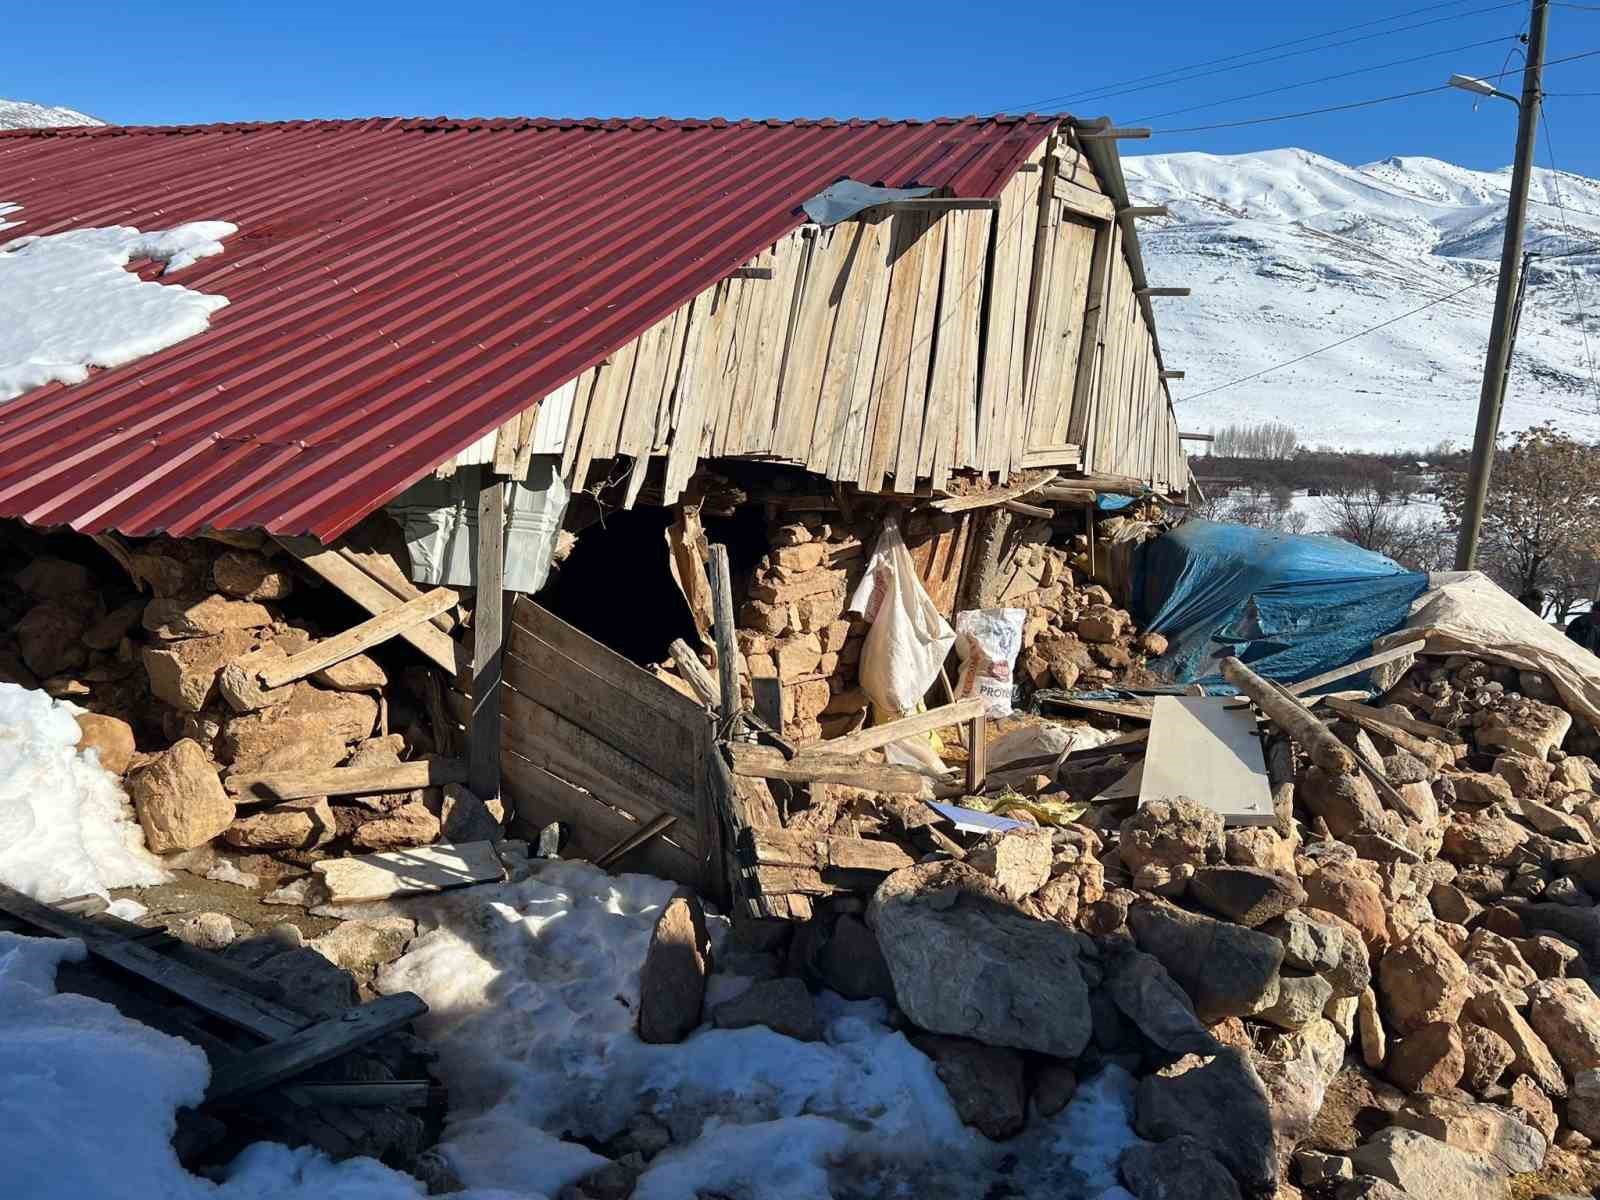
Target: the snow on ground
(67, 302)
(1288, 252)
(1320, 518)
(533, 989)
(87, 1110)
(66, 828)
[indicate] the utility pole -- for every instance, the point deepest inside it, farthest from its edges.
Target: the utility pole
(1497, 364)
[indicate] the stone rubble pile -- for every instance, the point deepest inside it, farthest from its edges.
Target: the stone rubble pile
(1387, 992)
(170, 676)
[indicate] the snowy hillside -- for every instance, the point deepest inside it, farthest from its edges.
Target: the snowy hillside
(1288, 251)
(24, 114)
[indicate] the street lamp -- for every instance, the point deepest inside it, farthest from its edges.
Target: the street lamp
(1481, 87)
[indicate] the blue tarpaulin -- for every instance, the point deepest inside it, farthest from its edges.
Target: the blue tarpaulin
(1289, 605)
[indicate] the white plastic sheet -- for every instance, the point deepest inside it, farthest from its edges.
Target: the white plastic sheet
(987, 642)
(1466, 612)
(908, 639)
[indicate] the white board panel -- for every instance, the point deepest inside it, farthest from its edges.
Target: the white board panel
(1206, 748)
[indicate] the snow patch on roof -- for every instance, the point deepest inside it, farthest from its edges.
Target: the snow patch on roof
(67, 303)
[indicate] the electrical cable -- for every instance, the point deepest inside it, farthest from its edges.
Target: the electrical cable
(1289, 87)
(1332, 108)
(1566, 229)
(1334, 345)
(1181, 75)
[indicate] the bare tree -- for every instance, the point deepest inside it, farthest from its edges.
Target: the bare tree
(1268, 439)
(1260, 508)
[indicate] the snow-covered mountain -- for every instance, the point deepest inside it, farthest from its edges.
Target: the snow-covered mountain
(24, 114)
(1288, 252)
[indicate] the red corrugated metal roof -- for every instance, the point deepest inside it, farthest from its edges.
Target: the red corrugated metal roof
(399, 288)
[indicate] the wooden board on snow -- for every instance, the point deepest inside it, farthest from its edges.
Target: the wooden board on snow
(409, 872)
(1202, 748)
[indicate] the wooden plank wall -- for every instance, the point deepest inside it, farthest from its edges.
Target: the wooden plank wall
(892, 350)
(593, 741)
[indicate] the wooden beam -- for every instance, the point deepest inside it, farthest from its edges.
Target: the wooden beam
(1134, 211)
(1386, 727)
(1162, 291)
(1360, 665)
(863, 740)
(1422, 729)
(312, 1046)
(724, 629)
(693, 671)
(1029, 510)
(634, 841)
(818, 766)
(358, 639)
(785, 848)
(955, 504)
(1111, 133)
(488, 615)
(372, 595)
(750, 273)
(1285, 711)
(1061, 494)
(269, 787)
(937, 204)
(1134, 710)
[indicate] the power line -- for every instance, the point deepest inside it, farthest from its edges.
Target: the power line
(1332, 108)
(1335, 345)
(1289, 87)
(1577, 289)
(1190, 73)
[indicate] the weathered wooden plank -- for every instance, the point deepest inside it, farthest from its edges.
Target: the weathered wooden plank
(312, 1046)
(272, 786)
(1415, 646)
(488, 640)
(359, 878)
(988, 499)
(818, 766)
(781, 847)
(251, 1013)
(724, 627)
(372, 596)
(372, 632)
(893, 731)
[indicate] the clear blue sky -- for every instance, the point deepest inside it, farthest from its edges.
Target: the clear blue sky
(185, 61)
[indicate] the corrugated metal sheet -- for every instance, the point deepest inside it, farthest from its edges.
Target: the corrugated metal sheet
(399, 288)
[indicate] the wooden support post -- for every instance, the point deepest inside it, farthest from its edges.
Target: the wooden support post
(483, 742)
(1161, 291)
(727, 644)
(977, 754)
(693, 671)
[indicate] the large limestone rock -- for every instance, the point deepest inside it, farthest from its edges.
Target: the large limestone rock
(184, 674)
(1349, 891)
(1565, 1013)
(294, 825)
(1308, 944)
(1228, 971)
(1220, 1101)
(1430, 1059)
(987, 1084)
(1148, 996)
(411, 824)
(1531, 1057)
(1018, 860)
(1496, 960)
(1353, 974)
(1423, 1166)
(1580, 926)
(1526, 726)
(1583, 1104)
(180, 800)
(250, 576)
(240, 680)
(1296, 1070)
(464, 817)
(309, 712)
(358, 673)
(1421, 982)
(672, 985)
(1246, 895)
(1300, 1000)
(1486, 1055)
(50, 638)
(110, 738)
(1482, 838)
(965, 963)
(1356, 1105)
(1171, 833)
(783, 1005)
(1482, 1130)
(1348, 803)
(171, 619)
(1178, 1169)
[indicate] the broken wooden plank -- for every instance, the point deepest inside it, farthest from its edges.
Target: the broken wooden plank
(260, 1017)
(1022, 509)
(373, 596)
(782, 847)
(1133, 710)
(693, 672)
(1360, 665)
(779, 881)
(955, 504)
(357, 640)
(1064, 494)
(272, 786)
(818, 766)
(633, 841)
(411, 872)
(1388, 720)
(863, 740)
(1285, 711)
(488, 642)
(313, 1046)
(1203, 749)
(724, 628)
